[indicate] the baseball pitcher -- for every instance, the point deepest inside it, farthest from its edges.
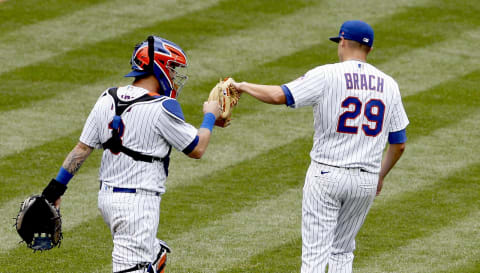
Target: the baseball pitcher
(357, 108)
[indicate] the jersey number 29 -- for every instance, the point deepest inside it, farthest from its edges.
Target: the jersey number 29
(368, 112)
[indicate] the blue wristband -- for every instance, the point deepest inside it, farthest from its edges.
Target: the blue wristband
(208, 121)
(63, 176)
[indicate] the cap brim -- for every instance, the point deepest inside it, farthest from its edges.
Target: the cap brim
(335, 39)
(136, 73)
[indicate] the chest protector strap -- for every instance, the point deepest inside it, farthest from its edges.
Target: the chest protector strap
(114, 144)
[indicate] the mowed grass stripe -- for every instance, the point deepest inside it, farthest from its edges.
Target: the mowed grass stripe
(67, 114)
(435, 120)
(47, 39)
(210, 55)
(253, 46)
(435, 63)
(45, 128)
(18, 14)
(410, 218)
(452, 248)
(235, 237)
(109, 58)
(285, 257)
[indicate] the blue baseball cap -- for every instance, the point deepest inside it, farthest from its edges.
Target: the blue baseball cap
(136, 73)
(357, 31)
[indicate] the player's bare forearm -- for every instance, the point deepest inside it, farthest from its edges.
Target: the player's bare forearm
(393, 154)
(272, 94)
(76, 157)
(203, 140)
(204, 134)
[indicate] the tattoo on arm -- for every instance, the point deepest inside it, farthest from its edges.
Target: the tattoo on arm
(76, 157)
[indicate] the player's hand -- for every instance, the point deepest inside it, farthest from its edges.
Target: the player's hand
(237, 85)
(379, 186)
(57, 203)
(212, 107)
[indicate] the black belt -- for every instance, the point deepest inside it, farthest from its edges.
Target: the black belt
(346, 168)
(126, 190)
(129, 190)
(135, 268)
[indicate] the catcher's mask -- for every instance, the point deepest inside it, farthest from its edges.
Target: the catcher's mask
(169, 59)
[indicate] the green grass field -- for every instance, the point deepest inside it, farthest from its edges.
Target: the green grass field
(239, 208)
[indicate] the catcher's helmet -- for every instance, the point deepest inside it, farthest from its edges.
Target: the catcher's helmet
(168, 58)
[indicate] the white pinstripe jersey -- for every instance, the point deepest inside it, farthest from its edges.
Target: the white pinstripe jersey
(148, 128)
(355, 107)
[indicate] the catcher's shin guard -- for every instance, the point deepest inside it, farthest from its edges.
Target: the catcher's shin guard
(160, 262)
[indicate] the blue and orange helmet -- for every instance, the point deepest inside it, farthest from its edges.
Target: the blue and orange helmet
(168, 58)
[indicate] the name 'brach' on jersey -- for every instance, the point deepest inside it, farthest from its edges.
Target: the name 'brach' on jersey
(364, 82)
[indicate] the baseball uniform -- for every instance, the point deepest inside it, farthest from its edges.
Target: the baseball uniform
(356, 109)
(150, 128)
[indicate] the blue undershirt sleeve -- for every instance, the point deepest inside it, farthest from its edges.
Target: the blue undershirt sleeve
(289, 101)
(397, 137)
(191, 146)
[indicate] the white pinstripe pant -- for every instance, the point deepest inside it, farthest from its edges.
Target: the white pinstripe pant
(133, 221)
(335, 204)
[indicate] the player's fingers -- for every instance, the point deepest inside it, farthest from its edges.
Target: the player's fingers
(57, 203)
(379, 187)
(236, 85)
(212, 107)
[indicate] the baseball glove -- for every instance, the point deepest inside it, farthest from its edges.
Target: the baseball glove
(39, 223)
(227, 96)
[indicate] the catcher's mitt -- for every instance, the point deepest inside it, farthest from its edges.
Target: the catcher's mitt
(227, 96)
(39, 223)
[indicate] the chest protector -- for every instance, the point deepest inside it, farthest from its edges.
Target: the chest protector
(114, 144)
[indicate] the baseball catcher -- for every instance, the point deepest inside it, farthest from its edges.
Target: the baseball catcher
(227, 96)
(39, 223)
(135, 159)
